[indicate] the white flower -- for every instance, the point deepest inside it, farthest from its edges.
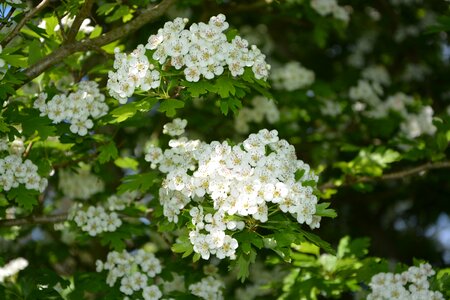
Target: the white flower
(151, 293)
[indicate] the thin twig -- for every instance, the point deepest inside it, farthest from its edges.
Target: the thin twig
(82, 14)
(395, 175)
(24, 20)
(148, 15)
(32, 220)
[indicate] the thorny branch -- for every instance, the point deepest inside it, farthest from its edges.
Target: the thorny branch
(395, 175)
(57, 218)
(147, 15)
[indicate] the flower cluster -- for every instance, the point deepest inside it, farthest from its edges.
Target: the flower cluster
(120, 202)
(175, 128)
(204, 50)
(378, 74)
(15, 171)
(326, 7)
(208, 288)
(262, 108)
(368, 92)
(411, 284)
(363, 46)
(415, 72)
(135, 271)
(330, 108)
(238, 181)
(77, 108)
(96, 220)
(200, 51)
(292, 76)
(367, 96)
(133, 71)
(415, 125)
(12, 267)
(80, 185)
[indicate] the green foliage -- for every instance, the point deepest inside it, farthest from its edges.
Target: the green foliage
(138, 182)
(395, 132)
(25, 198)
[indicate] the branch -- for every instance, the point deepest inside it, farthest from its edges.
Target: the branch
(147, 15)
(24, 20)
(84, 11)
(34, 220)
(395, 175)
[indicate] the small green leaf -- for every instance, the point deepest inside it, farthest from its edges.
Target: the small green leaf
(3, 126)
(122, 11)
(106, 8)
(107, 152)
(42, 125)
(230, 103)
(224, 86)
(169, 106)
(242, 264)
(196, 89)
(316, 240)
(96, 32)
(115, 240)
(128, 110)
(24, 198)
(183, 245)
(323, 210)
(34, 52)
(16, 60)
(137, 182)
(50, 24)
(127, 163)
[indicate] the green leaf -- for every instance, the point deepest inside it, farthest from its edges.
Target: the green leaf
(34, 52)
(107, 152)
(127, 163)
(122, 11)
(196, 89)
(6, 90)
(96, 32)
(242, 264)
(316, 240)
(183, 245)
(441, 141)
(3, 200)
(224, 86)
(3, 126)
(50, 24)
(115, 240)
(137, 182)
(357, 247)
(230, 103)
(16, 60)
(169, 106)
(42, 125)
(128, 110)
(106, 8)
(323, 210)
(24, 198)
